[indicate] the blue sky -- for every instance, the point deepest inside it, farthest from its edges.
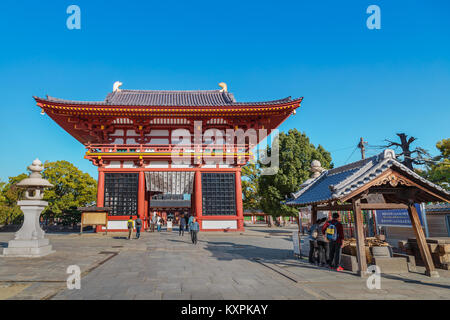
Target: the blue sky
(355, 82)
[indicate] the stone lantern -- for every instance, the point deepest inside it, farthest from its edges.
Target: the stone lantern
(29, 241)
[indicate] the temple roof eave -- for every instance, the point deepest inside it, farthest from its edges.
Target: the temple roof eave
(101, 105)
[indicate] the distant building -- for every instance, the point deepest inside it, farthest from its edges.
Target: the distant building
(255, 217)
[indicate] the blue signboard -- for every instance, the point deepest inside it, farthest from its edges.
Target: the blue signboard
(396, 217)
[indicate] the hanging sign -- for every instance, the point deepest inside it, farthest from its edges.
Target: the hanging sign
(396, 217)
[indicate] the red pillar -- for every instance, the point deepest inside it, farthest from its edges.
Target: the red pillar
(141, 195)
(101, 189)
(198, 196)
(100, 193)
(239, 206)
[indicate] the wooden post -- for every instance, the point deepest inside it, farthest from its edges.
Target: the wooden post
(146, 211)
(299, 222)
(313, 214)
(422, 242)
(239, 205)
(360, 246)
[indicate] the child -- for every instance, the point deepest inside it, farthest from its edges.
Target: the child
(130, 226)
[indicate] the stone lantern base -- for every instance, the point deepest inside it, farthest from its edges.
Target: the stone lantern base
(28, 248)
(29, 240)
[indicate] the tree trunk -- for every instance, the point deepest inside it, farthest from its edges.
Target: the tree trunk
(270, 224)
(407, 161)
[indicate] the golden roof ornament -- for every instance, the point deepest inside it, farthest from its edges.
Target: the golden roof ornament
(116, 86)
(224, 87)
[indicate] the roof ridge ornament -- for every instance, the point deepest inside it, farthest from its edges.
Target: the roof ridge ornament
(389, 154)
(316, 168)
(116, 86)
(224, 87)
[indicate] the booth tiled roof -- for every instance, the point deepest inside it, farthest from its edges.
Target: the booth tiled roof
(195, 98)
(438, 207)
(336, 183)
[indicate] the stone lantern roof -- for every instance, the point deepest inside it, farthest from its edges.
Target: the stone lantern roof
(34, 184)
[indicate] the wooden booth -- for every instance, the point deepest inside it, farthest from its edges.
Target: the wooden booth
(94, 216)
(379, 182)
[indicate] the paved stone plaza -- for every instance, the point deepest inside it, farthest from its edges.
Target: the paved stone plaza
(256, 264)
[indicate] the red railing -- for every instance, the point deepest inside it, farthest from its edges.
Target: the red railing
(166, 148)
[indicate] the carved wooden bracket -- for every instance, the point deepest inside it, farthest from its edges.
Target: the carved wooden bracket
(393, 180)
(140, 162)
(98, 161)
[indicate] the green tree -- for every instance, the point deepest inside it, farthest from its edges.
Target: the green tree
(9, 195)
(250, 182)
(438, 169)
(295, 155)
(72, 188)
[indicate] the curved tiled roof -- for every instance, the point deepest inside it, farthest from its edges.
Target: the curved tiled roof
(200, 98)
(438, 207)
(341, 181)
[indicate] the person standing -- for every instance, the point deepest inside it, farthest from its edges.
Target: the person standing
(182, 225)
(195, 228)
(138, 224)
(313, 247)
(158, 223)
(335, 235)
(323, 245)
(130, 226)
(169, 224)
(154, 221)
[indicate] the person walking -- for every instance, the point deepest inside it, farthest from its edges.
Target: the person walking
(323, 245)
(191, 218)
(138, 224)
(335, 235)
(182, 225)
(158, 223)
(195, 228)
(130, 226)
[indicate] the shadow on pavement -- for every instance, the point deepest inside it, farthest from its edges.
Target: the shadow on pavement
(395, 277)
(241, 251)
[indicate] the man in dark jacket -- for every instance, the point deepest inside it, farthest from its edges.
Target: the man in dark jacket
(334, 233)
(138, 225)
(182, 225)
